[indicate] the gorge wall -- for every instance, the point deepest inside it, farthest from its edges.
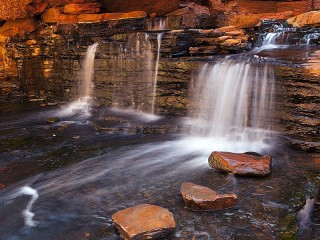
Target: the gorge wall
(42, 45)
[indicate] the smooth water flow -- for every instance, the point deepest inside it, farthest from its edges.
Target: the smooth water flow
(155, 81)
(235, 101)
(82, 105)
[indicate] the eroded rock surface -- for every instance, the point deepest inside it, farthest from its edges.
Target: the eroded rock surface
(240, 163)
(199, 198)
(305, 19)
(144, 221)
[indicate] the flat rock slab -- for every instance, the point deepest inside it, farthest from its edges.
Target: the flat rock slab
(241, 163)
(199, 198)
(144, 221)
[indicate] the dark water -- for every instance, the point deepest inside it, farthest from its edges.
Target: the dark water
(75, 173)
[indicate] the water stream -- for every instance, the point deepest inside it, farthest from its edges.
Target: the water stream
(65, 180)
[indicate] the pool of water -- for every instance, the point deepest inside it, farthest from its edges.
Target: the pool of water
(75, 173)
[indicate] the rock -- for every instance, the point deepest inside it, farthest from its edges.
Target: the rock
(305, 19)
(13, 9)
(53, 120)
(83, 18)
(82, 8)
(226, 29)
(55, 15)
(128, 15)
(206, 50)
(254, 20)
(230, 42)
(144, 221)
(192, 16)
(160, 8)
(199, 198)
(18, 27)
(240, 163)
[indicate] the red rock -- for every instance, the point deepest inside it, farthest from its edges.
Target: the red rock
(55, 15)
(305, 19)
(85, 8)
(150, 6)
(18, 27)
(144, 222)
(199, 198)
(240, 163)
(83, 18)
(118, 16)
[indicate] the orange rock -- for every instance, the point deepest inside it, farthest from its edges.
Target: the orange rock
(240, 163)
(118, 16)
(150, 6)
(225, 29)
(54, 15)
(18, 27)
(230, 42)
(51, 15)
(144, 222)
(199, 198)
(85, 8)
(305, 19)
(83, 18)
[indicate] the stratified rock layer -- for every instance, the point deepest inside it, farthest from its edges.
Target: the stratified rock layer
(144, 221)
(199, 198)
(240, 163)
(149, 6)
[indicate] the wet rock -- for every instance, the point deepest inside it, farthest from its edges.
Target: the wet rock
(149, 6)
(199, 198)
(82, 8)
(18, 27)
(144, 221)
(204, 50)
(53, 120)
(305, 19)
(240, 163)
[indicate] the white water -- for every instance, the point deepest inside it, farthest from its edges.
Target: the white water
(82, 105)
(235, 102)
(155, 81)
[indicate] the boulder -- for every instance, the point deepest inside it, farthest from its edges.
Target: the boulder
(160, 8)
(144, 221)
(199, 198)
(18, 27)
(82, 8)
(241, 163)
(305, 19)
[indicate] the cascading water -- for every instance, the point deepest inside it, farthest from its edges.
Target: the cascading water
(82, 105)
(155, 82)
(235, 101)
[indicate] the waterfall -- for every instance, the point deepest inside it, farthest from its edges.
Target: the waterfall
(82, 105)
(87, 71)
(234, 99)
(154, 93)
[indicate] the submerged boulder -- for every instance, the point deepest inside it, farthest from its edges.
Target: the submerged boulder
(144, 221)
(241, 163)
(199, 198)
